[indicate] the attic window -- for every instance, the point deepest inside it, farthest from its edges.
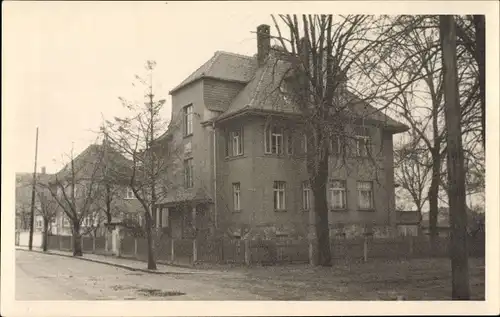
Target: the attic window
(285, 92)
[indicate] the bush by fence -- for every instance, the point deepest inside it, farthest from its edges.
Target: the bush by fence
(224, 250)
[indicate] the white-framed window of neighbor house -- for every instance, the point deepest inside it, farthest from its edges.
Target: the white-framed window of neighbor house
(129, 193)
(65, 220)
(306, 195)
(236, 142)
(362, 141)
(365, 195)
(236, 197)
(273, 140)
(188, 120)
(279, 190)
(337, 194)
(336, 144)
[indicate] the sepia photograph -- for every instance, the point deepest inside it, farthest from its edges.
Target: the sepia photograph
(230, 151)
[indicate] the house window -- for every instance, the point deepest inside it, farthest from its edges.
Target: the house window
(188, 120)
(289, 142)
(129, 194)
(39, 223)
(188, 173)
(306, 195)
(65, 221)
(236, 196)
(363, 141)
(365, 195)
(337, 194)
(273, 140)
(304, 143)
(279, 195)
(336, 145)
(235, 143)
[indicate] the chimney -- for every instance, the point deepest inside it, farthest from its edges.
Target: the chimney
(43, 170)
(263, 43)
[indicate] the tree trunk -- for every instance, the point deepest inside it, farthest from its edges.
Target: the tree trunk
(151, 247)
(455, 162)
(433, 202)
(318, 184)
(45, 235)
(479, 24)
(77, 240)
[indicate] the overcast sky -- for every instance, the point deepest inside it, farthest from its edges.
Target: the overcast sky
(68, 64)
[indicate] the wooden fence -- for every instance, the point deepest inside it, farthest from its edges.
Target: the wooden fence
(224, 250)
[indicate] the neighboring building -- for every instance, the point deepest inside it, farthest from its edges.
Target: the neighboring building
(89, 169)
(24, 187)
(239, 163)
(475, 221)
(408, 222)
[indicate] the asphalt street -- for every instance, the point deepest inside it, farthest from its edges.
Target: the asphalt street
(51, 277)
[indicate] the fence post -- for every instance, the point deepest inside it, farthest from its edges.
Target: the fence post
(311, 252)
(365, 249)
(195, 251)
(81, 243)
(248, 256)
(411, 246)
(172, 248)
(135, 247)
(93, 243)
(59, 242)
(71, 241)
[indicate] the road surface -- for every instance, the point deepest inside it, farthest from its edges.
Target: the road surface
(51, 277)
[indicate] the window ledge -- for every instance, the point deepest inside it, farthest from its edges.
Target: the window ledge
(235, 157)
(188, 135)
(338, 209)
(237, 211)
(279, 210)
(366, 210)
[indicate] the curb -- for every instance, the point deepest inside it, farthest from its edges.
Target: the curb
(129, 268)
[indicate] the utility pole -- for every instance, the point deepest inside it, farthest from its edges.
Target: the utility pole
(32, 219)
(455, 162)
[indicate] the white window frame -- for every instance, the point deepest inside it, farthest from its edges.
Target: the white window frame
(306, 195)
(236, 142)
(274, 134)
(337, 194)
(237, 196)
(188, 119)
(188, 173)
(129, 193)
(289, 142)
(361, 190)
(363, 142)
(336, 145)
(279, 195)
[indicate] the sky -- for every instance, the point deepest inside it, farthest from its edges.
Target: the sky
(67, 64)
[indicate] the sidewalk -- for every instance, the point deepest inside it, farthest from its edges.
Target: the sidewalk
(124, 263)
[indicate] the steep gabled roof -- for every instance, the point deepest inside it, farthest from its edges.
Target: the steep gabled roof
(223, 66)
(262, 93)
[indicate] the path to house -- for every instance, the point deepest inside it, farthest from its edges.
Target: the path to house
(418, 279)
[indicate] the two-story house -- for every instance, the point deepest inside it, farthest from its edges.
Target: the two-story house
(240, 151)
(96, 166)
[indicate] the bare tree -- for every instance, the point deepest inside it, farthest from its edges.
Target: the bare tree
(422, 105)
(76, 190)
(337, 79)
(47, 208)
(412, 171)
(135, 137)
(455, 161)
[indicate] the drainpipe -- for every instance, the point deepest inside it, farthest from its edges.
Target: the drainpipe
(215, 173)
